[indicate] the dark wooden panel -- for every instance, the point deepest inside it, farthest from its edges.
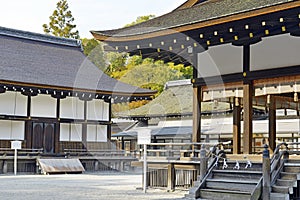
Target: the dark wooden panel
(37, 135)
(49, 138)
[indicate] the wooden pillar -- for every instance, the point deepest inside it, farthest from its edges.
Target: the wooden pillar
(196, 137)
(109, 129)
(84, 126)
(272, 123)
(197, 97)
(236, 126)
(248, 113)
(57, 127)
(28, 125)
(171, 177)
(247, 102)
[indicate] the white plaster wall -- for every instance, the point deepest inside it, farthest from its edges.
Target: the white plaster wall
(95, 109)
(76, 132)
(97, 133)
(12, 130)
(71, 107)
(13, 103)
(64, 132)
(91, 133)
(274, 52)
(43, 106)
(101, 133)
(220, 60)
(105, 111)
(70, 132)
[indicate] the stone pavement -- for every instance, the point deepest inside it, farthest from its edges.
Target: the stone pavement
(101, 186)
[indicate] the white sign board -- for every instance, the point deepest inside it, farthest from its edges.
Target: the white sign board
(16, 144)
(144, 136)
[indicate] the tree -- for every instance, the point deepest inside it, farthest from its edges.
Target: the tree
(93, 49)
(61, 22)
(140, 19)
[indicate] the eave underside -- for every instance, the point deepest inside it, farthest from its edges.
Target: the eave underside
(175, 46)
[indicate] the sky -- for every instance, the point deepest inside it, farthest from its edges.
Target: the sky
(30, 15)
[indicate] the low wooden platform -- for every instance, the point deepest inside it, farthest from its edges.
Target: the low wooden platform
(54, 166)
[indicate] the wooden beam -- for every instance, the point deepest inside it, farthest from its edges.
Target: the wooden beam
(248, 113)
(236, 127)
(272, 123)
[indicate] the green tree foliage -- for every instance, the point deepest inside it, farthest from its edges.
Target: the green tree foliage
(151, 75)
(140, 19)
(61, 22)
(93, 49)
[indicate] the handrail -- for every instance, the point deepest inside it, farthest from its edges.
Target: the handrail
(277, 161)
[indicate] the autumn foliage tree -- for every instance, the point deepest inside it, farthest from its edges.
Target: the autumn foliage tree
(61, 22)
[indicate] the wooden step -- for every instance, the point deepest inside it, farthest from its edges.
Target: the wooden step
(279, 196)
(236, 185)
(282, 189)
(289, 167)
(237, 174)
(224, 194)
(288, 176)
(286, 182)
(231, 165)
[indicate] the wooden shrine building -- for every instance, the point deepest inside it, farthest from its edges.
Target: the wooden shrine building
(52, 97)
(243, 52)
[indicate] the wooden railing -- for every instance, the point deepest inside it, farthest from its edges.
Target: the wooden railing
(180, 150)
(99, 152)
(280, 155)
(5, 152)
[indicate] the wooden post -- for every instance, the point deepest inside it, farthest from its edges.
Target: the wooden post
(171, 177)
(236, 126)
(4, 168)
(196, 114)
(196, 137)
(84, 127)
(203, 162)
(266, 174)
(248, 112)
(272, 123)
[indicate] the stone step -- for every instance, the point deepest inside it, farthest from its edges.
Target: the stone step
(236, 185)
(279, 196)
(282, 189)
(286, 182)
(224, 194)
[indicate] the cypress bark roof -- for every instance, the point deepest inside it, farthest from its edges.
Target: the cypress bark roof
(197, 13)
(41, 60)
(174, 101)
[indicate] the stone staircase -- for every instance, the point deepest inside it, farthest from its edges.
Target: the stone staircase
(286, 184)
(232, 182)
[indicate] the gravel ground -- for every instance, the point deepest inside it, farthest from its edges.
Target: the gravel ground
(106, 186)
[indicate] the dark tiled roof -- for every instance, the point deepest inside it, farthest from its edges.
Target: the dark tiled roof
(208, 10)
(39, 59)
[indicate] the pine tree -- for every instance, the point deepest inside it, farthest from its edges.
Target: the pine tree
(61, 22)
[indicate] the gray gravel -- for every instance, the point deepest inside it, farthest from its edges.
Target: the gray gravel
(106, 186)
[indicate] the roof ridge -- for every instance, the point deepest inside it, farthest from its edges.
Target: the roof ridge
(189, 4)
(39, 37)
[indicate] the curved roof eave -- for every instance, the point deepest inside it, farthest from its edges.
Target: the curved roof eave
(145, 30)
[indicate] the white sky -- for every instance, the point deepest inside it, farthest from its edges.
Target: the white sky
(30, 15)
